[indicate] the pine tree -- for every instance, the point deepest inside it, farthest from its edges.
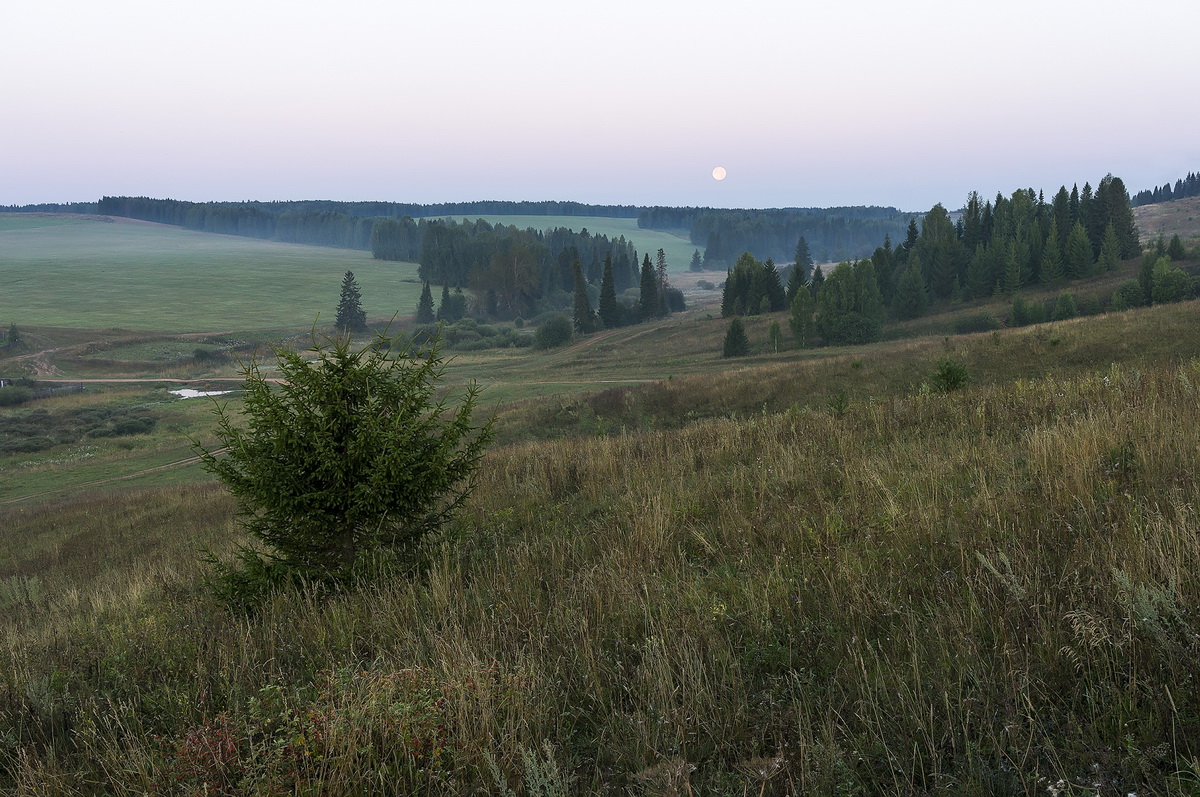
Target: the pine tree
(736, 343)
(1052, 271)
(350, 314)
(1079, 253)
(795, 283)
(1175, 249)
(425, 313)
(584, 318)
(1110, 249)
(648, 305)
(610, 311)
(911, 297)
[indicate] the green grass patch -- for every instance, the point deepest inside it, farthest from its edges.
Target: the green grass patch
(88, 273)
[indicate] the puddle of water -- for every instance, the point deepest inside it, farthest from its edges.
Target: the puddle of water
(187, 393)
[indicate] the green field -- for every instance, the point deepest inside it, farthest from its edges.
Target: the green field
(676, 247)
(95, 273)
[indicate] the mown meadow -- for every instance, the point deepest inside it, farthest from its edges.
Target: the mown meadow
(804, 572)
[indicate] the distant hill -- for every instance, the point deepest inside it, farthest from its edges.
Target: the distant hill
(1178, 217)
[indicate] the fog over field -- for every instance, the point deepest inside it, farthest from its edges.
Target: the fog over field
(804, 104)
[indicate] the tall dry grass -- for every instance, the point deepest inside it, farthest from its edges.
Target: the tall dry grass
(987, 592)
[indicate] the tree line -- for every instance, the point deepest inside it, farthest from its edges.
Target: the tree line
(1185, 187)
(993, 247)
(832, 233)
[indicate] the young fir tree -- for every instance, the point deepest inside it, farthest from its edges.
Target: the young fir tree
(584, 318)
(350, 314)
(1110, 250)
(610, 311)
(1175, 249)
(1052, 271)
(736, 343)
(648, 306)
(794, 284)
(444, 304)
(814, 284)
(425, 314)
(1079, 253)
(697, 263)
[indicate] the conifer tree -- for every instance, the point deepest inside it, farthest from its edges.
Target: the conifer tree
(425, 314)
(814, 285)
(610, 311)
(14, 337)
(1110, 250)
(1175, 249)
(911, 297)
(697, 263)
(803, 261)
(795, 283)
(1013, 278)
(584, 318)
(350, 314)
(1079, 253)
(648, 305)
(1052, 270)
(444, 305)
(736, 343)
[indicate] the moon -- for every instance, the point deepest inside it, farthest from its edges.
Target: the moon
(719, 173)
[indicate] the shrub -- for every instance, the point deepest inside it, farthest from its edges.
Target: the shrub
(555, 331)
(1128, 294)
(12, 396)
(1065, 307)
(980, 322)
(949, 376)
(349, 457)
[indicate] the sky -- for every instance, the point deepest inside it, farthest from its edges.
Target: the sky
(808, 104)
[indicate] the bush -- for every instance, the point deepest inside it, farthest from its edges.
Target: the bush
(851, 329)
(980, 322)
(1127, 295)
(1065, 307)
(555, 331)
(348, 459)
(949, 376)
(12, 396)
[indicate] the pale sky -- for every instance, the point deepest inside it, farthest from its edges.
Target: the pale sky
(846, 102)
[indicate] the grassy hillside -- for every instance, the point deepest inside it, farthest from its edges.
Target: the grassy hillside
(986, 592)
(1180, 217)
(799, 572)
(98, 272)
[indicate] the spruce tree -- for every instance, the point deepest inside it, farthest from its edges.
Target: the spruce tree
(697, 263)
(795, 283)
(911, 297)
(1110, 249)
(736, 342)
(1079, 253)
(425, 313)
(584, 318)
(1052, 271)
(444, 305)
(1175, 249)
(814, 285)
(648, 305)
(610, 311)
(804, 261)
(350, 314)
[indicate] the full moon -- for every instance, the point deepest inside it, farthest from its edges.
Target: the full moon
(719, 173)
